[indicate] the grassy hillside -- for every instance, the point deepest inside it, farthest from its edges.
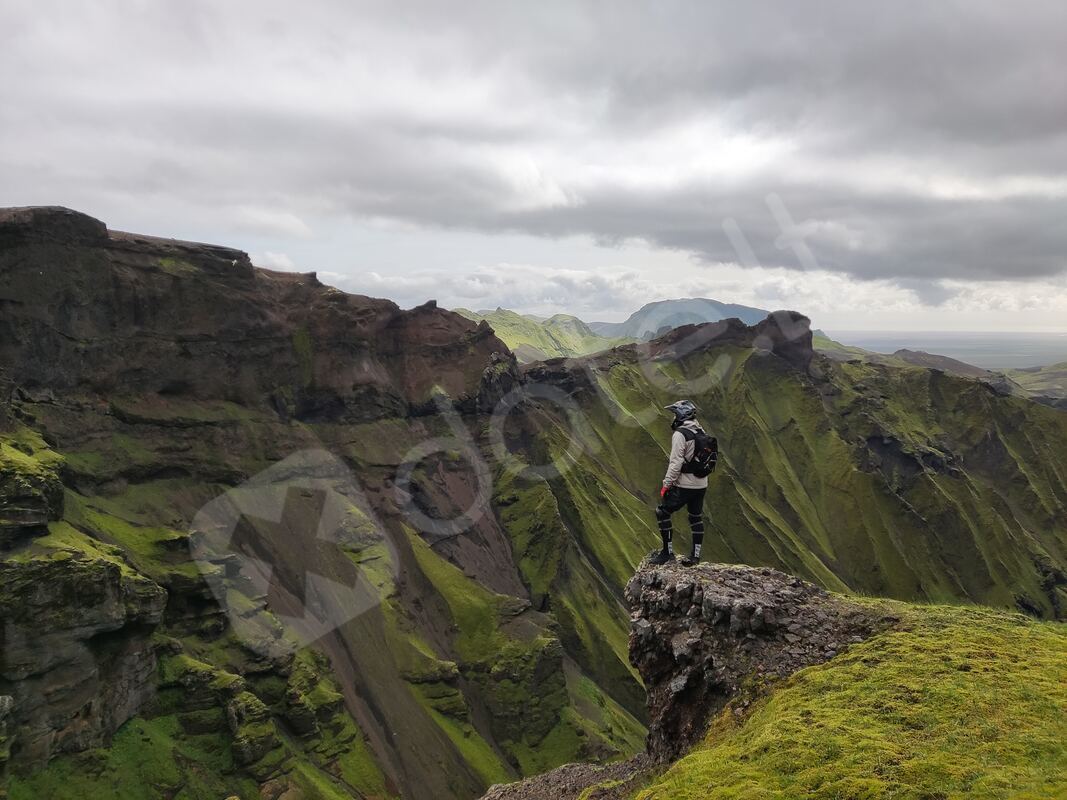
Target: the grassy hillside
(1050, 381)
(959, 703)
(535, 339)
(503, 652)
(906, 483)
(476, 685)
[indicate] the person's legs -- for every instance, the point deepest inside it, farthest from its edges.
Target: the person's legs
(671, 502)
(663, 519)
(695, 507)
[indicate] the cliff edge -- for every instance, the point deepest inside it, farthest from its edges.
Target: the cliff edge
(703, 637)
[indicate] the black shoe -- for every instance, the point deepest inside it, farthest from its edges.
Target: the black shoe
(662, 557)
(690, 561)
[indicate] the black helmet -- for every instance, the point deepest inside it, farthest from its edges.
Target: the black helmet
(683, 410)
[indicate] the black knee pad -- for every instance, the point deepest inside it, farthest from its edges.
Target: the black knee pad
(662, 514)
(695, 518)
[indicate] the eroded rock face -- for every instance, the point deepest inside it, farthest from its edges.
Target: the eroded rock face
(76, 660)
(700, 636)
(786, 334)
(31, 496)
(104, 312)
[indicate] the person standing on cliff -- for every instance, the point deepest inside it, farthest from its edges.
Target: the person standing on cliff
(693, 457)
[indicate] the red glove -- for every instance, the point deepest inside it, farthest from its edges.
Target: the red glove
(663, 491)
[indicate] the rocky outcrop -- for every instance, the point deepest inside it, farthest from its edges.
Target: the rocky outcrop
(703, 636)
(569, 782)
(76, 660)
(785, 334)
(31, 494)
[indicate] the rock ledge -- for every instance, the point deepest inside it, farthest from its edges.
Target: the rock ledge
(700, 636)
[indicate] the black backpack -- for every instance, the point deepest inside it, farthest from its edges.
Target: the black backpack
(705, 452)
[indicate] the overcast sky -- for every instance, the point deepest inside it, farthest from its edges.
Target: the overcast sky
(875, 165)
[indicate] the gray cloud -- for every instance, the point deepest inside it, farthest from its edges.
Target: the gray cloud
(908, 141)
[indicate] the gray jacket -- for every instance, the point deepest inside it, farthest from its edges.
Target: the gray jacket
(682, 451)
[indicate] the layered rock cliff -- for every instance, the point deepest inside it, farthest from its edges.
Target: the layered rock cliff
(86, 309)
(145, 378)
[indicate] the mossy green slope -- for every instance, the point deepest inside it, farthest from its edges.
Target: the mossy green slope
(957, 703)
(212, 736)
(892, 481)
(902, 482)
(531, 338)
(475, 682)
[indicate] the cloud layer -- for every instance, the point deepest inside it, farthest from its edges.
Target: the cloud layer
(915, 143)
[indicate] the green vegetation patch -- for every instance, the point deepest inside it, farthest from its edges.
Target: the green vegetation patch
(147, 758)
(959, 703)
(532, 338)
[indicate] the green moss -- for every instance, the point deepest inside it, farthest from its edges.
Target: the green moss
(476, 752)
(304, 349)
(474, 609)
(30, 489)
(105, 458)
(563, 574)
(146, 759)
(343, 752)
(63, 542)
(959, 703)
(179, 268)
(160, 552)
(24, 450)
(561, 745)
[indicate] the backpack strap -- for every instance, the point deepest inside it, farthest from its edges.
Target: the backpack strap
(690, 436)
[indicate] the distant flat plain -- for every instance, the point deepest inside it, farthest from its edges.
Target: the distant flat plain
(982, 349)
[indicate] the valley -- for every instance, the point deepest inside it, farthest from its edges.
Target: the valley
(262, 538)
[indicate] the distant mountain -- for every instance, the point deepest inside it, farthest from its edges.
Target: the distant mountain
(904, 357)
(534, 338)
(1046, 385)
(659, 317)
(919, 358)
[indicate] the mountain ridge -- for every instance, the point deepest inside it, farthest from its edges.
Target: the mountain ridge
(144, 379)
(653, 318)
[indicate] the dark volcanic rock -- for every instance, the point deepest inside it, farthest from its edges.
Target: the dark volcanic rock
(786, 334)
(31, 495)
(76, 659)
(702, 635)
(104, 312)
